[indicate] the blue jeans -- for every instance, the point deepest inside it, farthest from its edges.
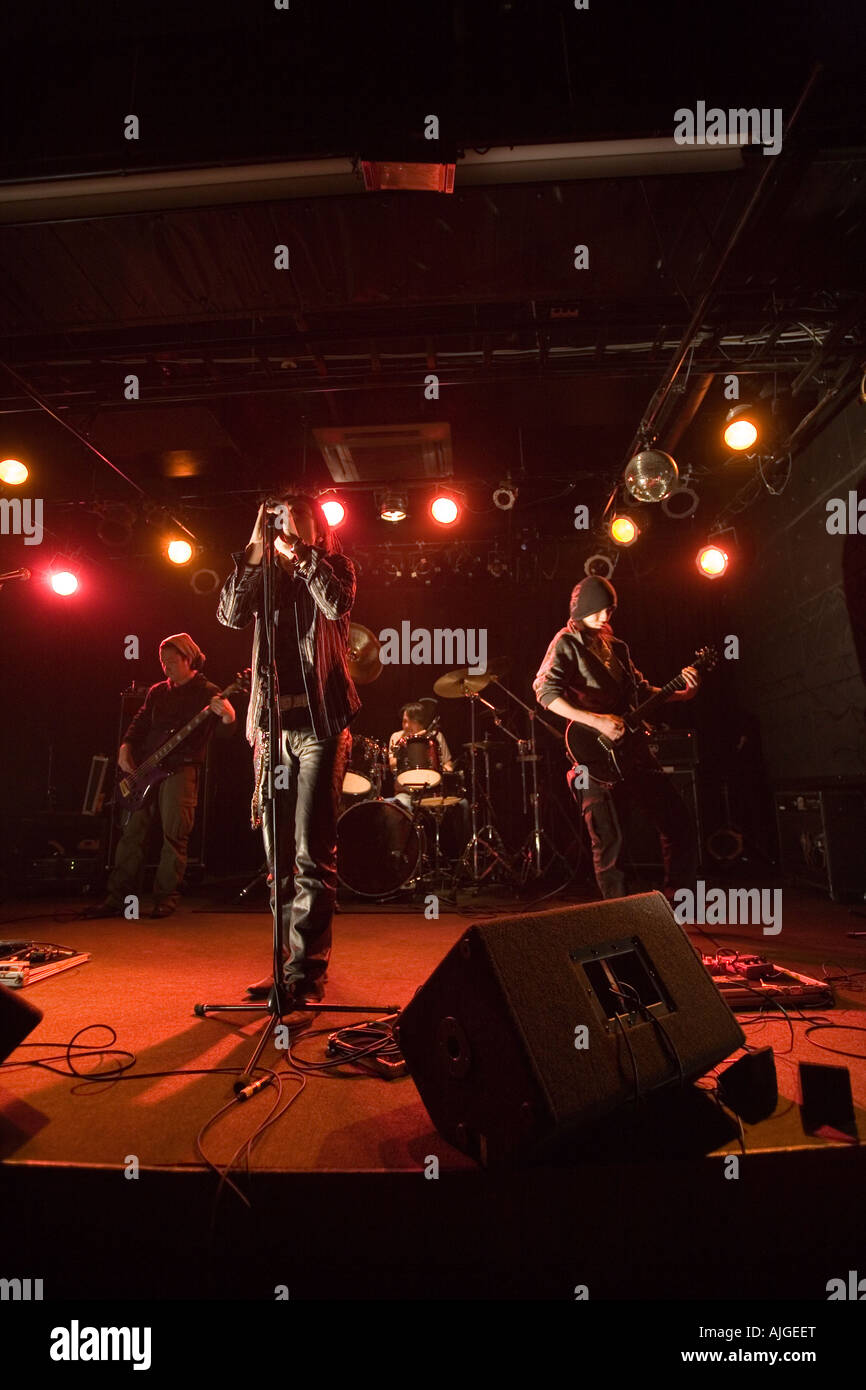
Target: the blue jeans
(306, 815)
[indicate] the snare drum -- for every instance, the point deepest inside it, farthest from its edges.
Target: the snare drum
(364, 773)
(417, 762)
(378, 849)
(449, 792)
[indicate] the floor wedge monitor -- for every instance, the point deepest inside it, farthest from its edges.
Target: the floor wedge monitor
(535, 1027)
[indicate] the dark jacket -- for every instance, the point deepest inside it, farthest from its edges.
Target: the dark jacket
(166, 709)
(321, 595)
(574, 673)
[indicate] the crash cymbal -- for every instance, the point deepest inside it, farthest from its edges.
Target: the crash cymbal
(363, 655)
(461, 682)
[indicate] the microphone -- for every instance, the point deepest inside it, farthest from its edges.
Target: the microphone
(15, 574)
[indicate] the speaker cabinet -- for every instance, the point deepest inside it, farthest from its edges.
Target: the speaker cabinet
(642, 844)
(822, 832)
(536, 1027)
(18, 1017)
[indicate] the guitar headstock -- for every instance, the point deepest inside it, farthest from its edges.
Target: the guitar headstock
(706, 659)
(240, 684)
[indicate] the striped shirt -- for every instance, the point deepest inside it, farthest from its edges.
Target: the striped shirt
(316, 601)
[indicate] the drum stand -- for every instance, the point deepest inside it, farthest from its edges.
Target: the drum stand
(486, 841)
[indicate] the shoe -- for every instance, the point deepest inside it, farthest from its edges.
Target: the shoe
(106, 909)
(163, 910)
(300, 990)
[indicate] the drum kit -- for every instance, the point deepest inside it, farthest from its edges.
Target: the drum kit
(447, 838)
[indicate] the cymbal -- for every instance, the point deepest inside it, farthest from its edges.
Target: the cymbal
(460, 682)
(363, 655)
(485, 744)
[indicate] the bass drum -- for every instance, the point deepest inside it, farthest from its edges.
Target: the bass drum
(378, 849)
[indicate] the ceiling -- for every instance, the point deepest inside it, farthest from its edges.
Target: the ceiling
(543, 370)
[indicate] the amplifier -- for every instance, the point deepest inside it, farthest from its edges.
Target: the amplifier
(642, 844)
(675, 747)
(822, 833)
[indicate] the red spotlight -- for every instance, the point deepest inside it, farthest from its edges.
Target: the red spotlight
(63, 582)
(711, 561)
(444, 509)
(335, 512)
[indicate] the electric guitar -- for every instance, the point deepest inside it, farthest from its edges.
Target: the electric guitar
(607, 760)
(133, 789)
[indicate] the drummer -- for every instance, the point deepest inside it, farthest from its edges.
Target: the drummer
(415, 718)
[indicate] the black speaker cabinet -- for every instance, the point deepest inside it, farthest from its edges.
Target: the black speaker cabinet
(18, 1017)
(534, 1028)
(822, 833)
(642, 844)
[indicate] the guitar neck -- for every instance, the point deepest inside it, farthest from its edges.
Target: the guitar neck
(169, 746)
(638, 715)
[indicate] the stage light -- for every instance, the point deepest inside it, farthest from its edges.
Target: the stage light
(13, 472)
(599, 565)
(394, 507)
(497, 566)
(444, 509)
(205, 582)
(682, 503)
(740, 428)
(63, 582)
(116, 523)
(505, 496)
(712, 561)
(391, 569)
(651, 475)
(623, 530)
(179, 552)
(335, 512)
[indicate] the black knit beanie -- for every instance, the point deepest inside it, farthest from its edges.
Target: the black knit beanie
(591, 595)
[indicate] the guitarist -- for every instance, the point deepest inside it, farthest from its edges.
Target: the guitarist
(587, 675)
(168, 706)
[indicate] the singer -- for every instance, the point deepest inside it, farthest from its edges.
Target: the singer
(318, 701)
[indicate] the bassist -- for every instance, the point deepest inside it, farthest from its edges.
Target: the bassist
(588, 676)
(167, 706)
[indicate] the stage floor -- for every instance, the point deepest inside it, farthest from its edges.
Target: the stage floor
(61, 1135)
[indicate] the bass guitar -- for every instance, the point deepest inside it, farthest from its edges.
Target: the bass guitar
(607, 760)
(134, 788)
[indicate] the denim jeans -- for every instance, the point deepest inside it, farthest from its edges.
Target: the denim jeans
(306, 813)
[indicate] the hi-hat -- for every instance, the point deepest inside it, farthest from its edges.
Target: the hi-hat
(461, 682)
(363, 655)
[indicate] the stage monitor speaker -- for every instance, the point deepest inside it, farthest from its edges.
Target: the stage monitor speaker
(534, 1028)
(18, 1017)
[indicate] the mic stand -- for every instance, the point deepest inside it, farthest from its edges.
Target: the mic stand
(246, 1084)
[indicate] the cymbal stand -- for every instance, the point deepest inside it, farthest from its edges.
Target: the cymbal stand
(486, 840)
(531, 857)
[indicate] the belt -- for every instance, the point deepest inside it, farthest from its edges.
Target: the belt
(294, 702)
